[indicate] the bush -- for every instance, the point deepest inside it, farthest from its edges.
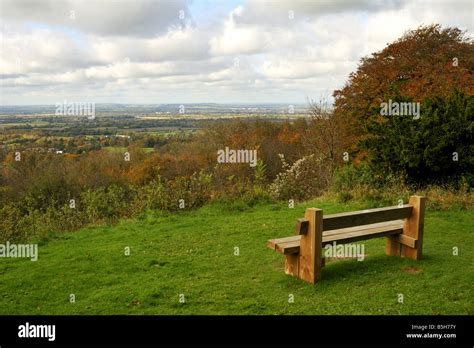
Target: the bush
(437, 148)
(194, 191)
(444, 198)
(152, 196)
(13, 227)
(344, 197)
(358, 182)
(165, 194)
(304, 179)
(106, 204)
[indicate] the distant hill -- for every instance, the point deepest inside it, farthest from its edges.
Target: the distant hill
(208, 108)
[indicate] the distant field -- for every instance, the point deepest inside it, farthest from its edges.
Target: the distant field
(192, 253)
(124, 149)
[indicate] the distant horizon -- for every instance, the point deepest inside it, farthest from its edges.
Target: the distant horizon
(157, 104)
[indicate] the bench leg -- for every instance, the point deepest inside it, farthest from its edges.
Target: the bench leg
(413, 227)
(393, 247)
(311, 247)
(292, 264)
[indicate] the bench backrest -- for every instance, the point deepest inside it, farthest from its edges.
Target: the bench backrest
(366, 217)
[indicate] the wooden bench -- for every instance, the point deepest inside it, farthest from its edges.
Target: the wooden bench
(402, 225)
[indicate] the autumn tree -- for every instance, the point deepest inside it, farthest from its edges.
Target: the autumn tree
(427, 62)
(431, 66)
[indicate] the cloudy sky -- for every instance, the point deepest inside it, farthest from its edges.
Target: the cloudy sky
(237, 51)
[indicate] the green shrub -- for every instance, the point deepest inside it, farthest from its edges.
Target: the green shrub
(106, 204)
(152, 196)
(344, 197)
(358, 182)
(436, 148)
(13, 227)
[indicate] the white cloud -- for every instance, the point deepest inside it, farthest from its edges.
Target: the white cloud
(287, 12)
(124, 51)
(186, 43)
(112, 17)
(41, 50)
(236, 39)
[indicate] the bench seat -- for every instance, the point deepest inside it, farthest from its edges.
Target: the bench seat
(291, 245)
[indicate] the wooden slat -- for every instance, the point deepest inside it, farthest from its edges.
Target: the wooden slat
(288, 247)
(368, 233)
(272, 243)
(347, 235)
(388, 224)
(365, 217)
(407, 240)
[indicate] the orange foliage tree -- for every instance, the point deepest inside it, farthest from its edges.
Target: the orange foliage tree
(427, 62)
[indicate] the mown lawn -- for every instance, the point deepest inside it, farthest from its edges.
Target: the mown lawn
(192, 253)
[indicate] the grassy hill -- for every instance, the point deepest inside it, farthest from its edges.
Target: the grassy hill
(192, 253)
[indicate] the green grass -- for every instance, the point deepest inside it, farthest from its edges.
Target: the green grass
(192, 253)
